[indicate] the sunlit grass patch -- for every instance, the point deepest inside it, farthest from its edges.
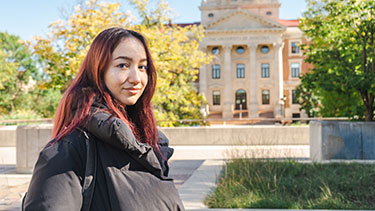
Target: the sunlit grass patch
(288, 184)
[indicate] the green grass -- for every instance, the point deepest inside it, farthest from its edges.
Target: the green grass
(290, 184)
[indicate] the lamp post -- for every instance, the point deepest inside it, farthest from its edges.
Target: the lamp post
(241, 111)
(282, 107)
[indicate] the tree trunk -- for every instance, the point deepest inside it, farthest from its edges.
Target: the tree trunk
(369, 115)
(369, 111)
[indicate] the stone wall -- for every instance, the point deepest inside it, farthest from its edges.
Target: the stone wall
(8, 136)
(30, 141)
(342, 140)
(238, 135)
(32, 138)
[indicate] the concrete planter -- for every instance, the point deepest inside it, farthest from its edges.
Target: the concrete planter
(342, 140)
(8, 136)
(30, 141)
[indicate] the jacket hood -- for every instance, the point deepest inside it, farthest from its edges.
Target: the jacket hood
(115, 132)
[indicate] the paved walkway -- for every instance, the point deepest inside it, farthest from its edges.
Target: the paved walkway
(195, 170)
(13, 186)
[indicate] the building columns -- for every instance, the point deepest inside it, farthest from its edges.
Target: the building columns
(253, 106)
(203, 83)
(279, 89)
(227, 74)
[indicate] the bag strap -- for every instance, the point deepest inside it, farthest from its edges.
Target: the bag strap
(90, 173)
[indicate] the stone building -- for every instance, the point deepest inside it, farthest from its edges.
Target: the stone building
(257, 59)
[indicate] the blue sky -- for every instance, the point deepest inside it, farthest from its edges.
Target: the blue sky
(28, 18)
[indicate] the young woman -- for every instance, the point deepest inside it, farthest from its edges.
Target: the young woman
(108, 106)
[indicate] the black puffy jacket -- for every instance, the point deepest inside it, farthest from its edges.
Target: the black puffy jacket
(130, 175)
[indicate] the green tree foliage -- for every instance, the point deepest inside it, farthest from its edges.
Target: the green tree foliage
(21, 95)
(174, 49)
(178, 59)
(342, 50)
(65, 47)
(17, 74)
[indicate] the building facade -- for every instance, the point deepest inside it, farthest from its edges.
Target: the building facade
(257, 59)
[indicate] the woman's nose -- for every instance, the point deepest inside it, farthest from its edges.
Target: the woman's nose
(134, 76)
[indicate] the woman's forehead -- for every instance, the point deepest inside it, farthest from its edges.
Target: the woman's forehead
(131, 48)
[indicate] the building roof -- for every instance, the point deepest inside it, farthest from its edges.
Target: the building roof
(289, 23)
(188, 24)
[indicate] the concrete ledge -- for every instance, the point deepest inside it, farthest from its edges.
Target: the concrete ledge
(32, 138)
(7, 155)
(228, 152)
(238, 135)
(14, 179)
(342, 140)
(216, 135)
(8, 136)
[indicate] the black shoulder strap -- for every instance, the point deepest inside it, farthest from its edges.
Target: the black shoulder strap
(90, 173)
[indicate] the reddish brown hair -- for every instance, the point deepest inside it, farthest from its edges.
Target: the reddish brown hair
(88, 86)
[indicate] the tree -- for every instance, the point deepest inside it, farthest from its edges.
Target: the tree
(20, 80)
(174, 49)
(64, 49)
(178, 59)
(18, 72)
(342, 50)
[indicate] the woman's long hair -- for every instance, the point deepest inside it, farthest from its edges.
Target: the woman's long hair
(88, 86)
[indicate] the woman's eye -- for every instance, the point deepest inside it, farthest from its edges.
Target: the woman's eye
(123, 65)
(143, 67)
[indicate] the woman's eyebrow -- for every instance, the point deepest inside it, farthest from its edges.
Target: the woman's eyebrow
(124, 57)
(130, 59)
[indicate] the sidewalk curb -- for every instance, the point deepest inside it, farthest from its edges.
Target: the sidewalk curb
(196, 188)
(14, 179)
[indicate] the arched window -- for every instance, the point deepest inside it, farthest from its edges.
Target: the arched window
(265, 97)
(241, 99)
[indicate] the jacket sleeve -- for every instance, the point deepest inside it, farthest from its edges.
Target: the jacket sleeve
(56, 183)
(164, 152)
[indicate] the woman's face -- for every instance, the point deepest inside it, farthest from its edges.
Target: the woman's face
(126, 76)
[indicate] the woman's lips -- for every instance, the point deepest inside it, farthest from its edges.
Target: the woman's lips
(133, 91)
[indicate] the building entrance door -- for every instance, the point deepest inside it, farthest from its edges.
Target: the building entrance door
(241, 99)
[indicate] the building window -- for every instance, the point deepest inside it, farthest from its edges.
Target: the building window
(210, 15)
(265, 97)
(296, 115)
(240, 50)
(265, 70)
(294, 98)
(269, 13)
(215, 51)
(265, 49)
(295, 70)
(216, 97)
(215, 71)
(240, 71)
(295, 48)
